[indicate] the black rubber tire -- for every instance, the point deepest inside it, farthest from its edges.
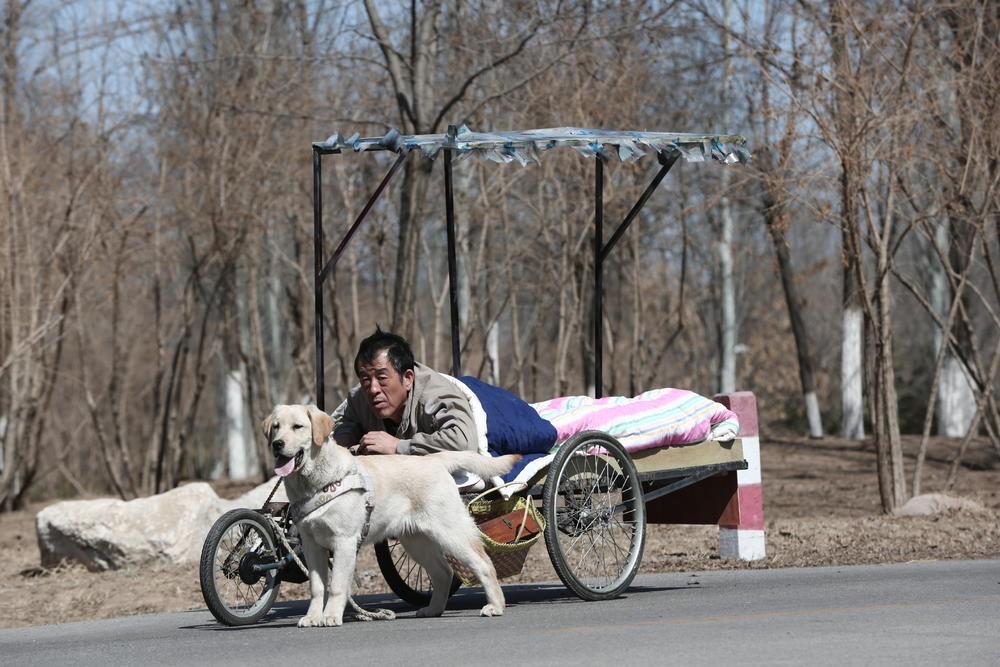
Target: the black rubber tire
(233, 592)
(406, 578)
(595, 516)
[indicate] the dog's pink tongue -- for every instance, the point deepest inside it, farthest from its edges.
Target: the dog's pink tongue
(285, 470)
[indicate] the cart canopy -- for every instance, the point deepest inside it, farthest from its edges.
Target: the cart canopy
(524, 146)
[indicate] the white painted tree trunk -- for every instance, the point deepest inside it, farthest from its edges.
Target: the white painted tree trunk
(242, 453)
(493, 352)
(727, 367)
(283, 356)
(813, 415)
(727, 351)
(955, 407)
(3, 439)
(464, 180)
(852, 375)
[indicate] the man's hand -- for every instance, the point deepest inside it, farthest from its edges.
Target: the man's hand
(376, 442)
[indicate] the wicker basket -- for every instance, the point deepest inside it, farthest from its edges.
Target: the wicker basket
(508, 557)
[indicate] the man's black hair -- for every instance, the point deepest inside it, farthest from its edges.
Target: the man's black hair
(398, 350)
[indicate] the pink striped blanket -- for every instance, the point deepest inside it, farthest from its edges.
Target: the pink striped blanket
(652, 419)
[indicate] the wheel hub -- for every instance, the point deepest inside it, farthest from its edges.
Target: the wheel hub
(249, 574)
(577, 521)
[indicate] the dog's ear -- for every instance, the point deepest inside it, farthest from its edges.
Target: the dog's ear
(322, 424)
(265, 424)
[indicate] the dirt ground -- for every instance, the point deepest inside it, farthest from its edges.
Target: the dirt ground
(821, 507)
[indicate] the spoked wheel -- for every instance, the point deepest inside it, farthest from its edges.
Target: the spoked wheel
(235, 589)
(595, 517)
(406, 577)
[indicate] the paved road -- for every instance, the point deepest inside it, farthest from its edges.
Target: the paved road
(928, 613)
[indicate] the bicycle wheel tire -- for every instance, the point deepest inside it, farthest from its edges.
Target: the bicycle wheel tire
(595, 516)
(405, 576)
(235, 592)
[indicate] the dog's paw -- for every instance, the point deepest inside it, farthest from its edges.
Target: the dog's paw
(320, 622)
(491, 610)
(427, 612)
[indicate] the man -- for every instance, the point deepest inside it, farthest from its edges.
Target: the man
(400, 406)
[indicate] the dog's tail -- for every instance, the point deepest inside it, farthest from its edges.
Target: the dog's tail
(476, 463)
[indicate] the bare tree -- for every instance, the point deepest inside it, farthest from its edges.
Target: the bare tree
(955, 199)
(56, 215)
(775, 211)
(776, 171)
(848, 128)
(232, 86)
(194, 195)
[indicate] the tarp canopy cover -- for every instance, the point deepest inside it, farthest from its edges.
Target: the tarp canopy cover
(525, 145)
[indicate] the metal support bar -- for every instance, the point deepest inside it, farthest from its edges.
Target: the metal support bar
(688, 473)
(598, 278)
(321, 270)
(317, 266)
(601, 251)
(674, 473)
(679, 484)
(666, 163)
(361, 217)
(449, 204)
(690, 476)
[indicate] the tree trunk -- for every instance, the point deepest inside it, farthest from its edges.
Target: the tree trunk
(242, 456)
(412, 193)
(956, 407)
(888, 446)
(794, 303)
(413, 83)
(776, 219)
(845, 122)
(727, 286)
(727, 343)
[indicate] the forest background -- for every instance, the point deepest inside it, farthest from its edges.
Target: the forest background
(156, 248)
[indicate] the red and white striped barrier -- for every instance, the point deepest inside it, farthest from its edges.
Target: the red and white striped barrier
(741, 533)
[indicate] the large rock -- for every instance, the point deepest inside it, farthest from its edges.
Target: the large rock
(107, 534)
(256, 497)
(930, 504)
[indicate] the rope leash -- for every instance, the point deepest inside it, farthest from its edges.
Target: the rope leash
(361, 614)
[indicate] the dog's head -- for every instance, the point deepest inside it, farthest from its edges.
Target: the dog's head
(291, 430)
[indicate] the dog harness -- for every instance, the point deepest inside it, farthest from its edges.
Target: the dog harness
(356, 481)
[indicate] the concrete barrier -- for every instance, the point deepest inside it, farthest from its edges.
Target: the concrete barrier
(741, 532)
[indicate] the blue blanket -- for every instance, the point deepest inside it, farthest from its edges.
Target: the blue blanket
(512, 425)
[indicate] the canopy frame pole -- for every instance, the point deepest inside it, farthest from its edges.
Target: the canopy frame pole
(598, 277)
(317, 270)
(323, 271)
(602, 250)
(449, 200)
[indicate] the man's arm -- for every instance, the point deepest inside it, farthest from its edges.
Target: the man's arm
(347, 429)
(442, 423)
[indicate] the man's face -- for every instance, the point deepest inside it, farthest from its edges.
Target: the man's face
(384, 388)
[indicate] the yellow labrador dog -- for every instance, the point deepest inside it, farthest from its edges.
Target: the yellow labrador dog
(340, 502)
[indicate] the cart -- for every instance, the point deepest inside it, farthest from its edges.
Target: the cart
(595, 497)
